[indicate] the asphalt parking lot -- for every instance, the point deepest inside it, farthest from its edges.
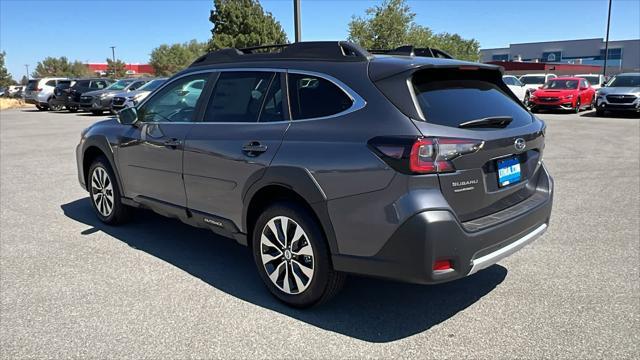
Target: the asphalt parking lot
(155, 288)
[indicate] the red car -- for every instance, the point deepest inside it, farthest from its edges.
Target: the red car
(566, 93)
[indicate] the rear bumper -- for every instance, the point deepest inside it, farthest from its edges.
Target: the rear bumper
(434, 235)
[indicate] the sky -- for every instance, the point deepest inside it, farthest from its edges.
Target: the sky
(84, 30)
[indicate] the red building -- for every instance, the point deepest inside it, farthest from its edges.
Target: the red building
(132, 69)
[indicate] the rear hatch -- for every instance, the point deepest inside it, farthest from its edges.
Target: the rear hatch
(32, 89)
(458, 107)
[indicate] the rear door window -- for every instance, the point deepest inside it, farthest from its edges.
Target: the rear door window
(313, 97)
(51, 83)
(452, 99)
(239, 96)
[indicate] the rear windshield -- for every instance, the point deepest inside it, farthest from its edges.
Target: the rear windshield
(453, 102)
(32, 84)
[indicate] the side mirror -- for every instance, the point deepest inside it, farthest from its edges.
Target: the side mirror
(128, 116)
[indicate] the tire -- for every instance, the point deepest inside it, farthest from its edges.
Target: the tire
(301, 256)
(104, 191)
(577, 108)
(96, 112)
(53, 107)
(593, 103)
(41, 108)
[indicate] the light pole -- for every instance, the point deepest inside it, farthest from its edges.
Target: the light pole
(606, 43)
(296, 20)
(113, 58)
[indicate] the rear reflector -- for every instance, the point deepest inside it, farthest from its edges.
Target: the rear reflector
(441, 265)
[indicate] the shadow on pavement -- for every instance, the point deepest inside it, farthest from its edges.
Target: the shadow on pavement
(615, 115)
(367, 309)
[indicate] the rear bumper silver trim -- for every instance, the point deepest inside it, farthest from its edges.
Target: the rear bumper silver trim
(492, 258)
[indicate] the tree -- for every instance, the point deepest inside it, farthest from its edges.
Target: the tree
(5, 77)
(391, 24)
(62, 67)
(116, 69)
(243, 23)
(169, 59)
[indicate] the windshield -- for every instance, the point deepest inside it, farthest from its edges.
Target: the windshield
(152, 85)
(625, 81)
(561, 84)
(532, 80)
(119, 85)
(593, 80)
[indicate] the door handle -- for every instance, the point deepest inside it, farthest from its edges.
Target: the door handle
(172, 143)
(254, 148)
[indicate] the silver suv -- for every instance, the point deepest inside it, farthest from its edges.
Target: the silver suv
(622, 93)
(40, 92)
(326, 159)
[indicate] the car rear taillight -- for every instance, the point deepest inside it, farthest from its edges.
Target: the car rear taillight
(429, 155)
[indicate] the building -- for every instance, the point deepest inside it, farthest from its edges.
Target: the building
(624, 55)
(132, 69)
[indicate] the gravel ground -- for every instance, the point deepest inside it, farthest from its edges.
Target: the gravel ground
(155, 288)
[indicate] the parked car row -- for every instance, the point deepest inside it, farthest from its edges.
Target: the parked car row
(12, 91)
(93, 94)
(578, 92)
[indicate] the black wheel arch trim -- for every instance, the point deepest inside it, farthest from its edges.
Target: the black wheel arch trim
(101, 143)
(301, 182)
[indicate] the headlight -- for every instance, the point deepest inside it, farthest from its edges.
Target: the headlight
(569, 97)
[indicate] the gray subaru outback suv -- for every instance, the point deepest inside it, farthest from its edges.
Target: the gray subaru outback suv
(327, 159)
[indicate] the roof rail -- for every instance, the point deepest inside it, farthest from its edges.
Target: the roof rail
(309, 50)
(409, 50)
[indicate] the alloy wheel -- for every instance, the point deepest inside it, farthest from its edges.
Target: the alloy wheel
(287, 255)
(102, 191)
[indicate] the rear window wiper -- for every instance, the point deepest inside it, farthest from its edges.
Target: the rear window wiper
(493, 121)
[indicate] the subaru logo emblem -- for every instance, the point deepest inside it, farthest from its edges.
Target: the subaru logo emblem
(519, 144)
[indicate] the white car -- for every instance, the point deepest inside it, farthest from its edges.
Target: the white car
(533, 81)
(596, 80)
(40, 92)
(515, 86)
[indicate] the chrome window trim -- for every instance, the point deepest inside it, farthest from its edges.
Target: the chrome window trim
(357, 101)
